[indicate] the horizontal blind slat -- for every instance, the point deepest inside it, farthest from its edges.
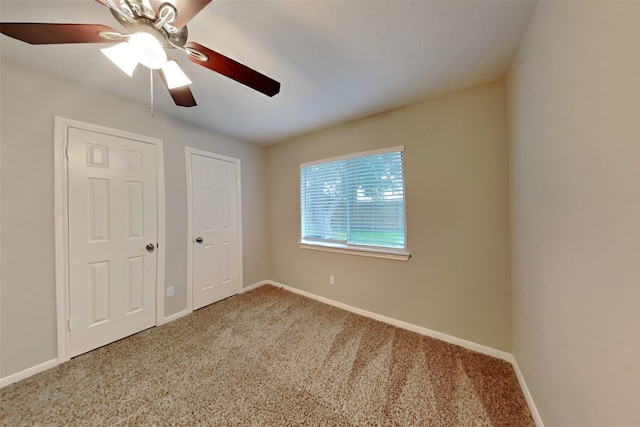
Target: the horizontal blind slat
(358, 200)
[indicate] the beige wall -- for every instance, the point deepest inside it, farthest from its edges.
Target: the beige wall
(574, 104)
(456, 168)
(28, 104)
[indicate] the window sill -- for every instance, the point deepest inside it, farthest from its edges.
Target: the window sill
(398, 255)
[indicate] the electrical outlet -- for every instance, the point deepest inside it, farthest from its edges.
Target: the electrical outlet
(170, 291)
(332, 279)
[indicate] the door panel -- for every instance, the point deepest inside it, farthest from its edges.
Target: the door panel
(135, 283)
(98, 209)
(135, 209)
(216, 260)
(99, 282)
(112, 217)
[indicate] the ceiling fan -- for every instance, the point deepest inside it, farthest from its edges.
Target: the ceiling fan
(153, 27)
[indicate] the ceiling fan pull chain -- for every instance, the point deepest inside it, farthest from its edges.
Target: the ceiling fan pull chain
(151, 87)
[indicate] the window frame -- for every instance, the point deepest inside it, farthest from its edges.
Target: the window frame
(400, 254)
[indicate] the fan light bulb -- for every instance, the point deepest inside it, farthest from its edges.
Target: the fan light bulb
(147, 50)
(174, 75)
(122, 56)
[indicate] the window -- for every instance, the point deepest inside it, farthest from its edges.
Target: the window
(355, 204)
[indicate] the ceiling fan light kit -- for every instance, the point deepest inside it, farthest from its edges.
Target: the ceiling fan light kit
(154, 26)
(175, 76)
(120, 55)
(147, 50)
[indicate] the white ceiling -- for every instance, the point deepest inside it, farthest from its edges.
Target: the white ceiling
(336, 60)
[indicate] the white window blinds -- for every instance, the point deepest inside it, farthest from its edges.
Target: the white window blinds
(356, 200)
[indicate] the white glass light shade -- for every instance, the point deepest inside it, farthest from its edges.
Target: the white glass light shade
(174, 75)
(122, 56)
(148, 50)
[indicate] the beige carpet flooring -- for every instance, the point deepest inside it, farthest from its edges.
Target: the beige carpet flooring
(272, 358)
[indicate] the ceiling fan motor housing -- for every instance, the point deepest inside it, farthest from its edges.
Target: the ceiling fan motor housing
(146, 21)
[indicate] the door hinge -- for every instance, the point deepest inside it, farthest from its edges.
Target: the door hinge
(66, 151)
(69, 324)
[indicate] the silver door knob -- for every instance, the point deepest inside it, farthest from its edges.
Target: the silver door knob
(199, 240)
(150, 247)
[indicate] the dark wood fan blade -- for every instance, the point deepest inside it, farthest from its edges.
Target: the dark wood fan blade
(234, 70)
(187, 9)
(39, 33)
(182, 96)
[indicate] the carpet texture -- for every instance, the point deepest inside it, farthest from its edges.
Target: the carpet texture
(272, 358)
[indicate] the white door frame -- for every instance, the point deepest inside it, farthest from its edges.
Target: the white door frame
(188, 152)
(61, 185)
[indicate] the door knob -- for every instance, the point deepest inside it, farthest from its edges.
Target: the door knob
(198, 239)
(150, 247)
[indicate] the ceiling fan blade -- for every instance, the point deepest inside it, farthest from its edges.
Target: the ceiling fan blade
(182, 96)
(234, 70)
(187, 9)
(39, 33)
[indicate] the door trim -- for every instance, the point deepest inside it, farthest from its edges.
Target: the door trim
(61, 185)
(188, 152)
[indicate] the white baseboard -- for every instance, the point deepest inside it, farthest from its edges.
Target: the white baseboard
(52, 363)
(14, 378)
(183, 313)
(527, 394)
(175, 316)
(503, 355)
(404, 325)
(257, 285)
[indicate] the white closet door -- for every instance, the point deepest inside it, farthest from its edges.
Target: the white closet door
(216, 263)
(112, 238)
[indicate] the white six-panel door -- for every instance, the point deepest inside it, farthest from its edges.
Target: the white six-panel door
(113, 228)
(215, 255)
